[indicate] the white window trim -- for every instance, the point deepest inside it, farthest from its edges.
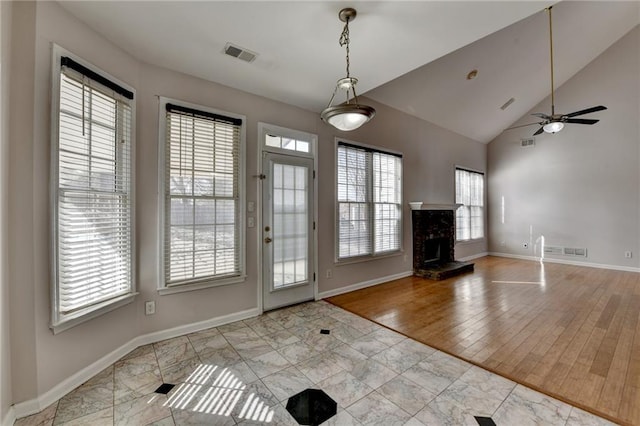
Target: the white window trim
(162, 288)
(484, 205)
(266, 128)
(57, 324)
(369, 257)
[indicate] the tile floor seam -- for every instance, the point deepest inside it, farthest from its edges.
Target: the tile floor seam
(311, 315)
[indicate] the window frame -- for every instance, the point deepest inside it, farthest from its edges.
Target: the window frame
(370, 203)
(461, 205)
(162, 287)
(59, 321)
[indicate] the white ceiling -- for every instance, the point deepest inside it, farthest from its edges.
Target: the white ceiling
(300, 59)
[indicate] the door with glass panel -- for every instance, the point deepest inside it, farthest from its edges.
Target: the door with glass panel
(287, 230)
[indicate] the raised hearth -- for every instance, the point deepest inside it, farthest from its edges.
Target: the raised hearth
(434, 245)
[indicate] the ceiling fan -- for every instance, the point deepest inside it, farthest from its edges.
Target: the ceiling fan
(555, 122)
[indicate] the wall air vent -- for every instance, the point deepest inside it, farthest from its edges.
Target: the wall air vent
(527, 142)
(566, 251)
(553, 250)
(573, 251)
(239, 52)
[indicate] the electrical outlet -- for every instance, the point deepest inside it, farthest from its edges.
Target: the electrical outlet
(503, 243)
(525, 245)
(329, 273)
(628, 254)
(404, 258)
(251, 222)
(150, 307)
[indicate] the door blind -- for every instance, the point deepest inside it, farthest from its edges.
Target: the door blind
(202, 196)
(94, 206)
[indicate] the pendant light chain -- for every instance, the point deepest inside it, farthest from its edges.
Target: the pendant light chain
(344, 40)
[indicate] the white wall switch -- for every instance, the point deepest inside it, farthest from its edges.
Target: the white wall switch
(251, 206)
(251, 222)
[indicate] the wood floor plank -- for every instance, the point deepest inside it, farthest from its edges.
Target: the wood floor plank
(570, 331)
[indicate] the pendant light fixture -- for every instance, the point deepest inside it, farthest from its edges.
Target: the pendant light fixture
(349, 115)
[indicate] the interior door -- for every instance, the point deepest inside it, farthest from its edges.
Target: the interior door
(287, 230)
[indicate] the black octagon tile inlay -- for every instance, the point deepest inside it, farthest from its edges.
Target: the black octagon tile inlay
(165, 388)
(325, 331)
(311, 407)
(485, 421)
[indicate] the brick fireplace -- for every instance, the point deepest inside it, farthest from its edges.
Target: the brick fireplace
(434, 244)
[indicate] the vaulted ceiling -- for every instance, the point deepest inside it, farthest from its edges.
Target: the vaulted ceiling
(413, 56)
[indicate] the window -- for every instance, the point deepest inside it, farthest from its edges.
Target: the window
(93, 181)
(470, 216)
(369, 192)
(201, 173)
(289, 144)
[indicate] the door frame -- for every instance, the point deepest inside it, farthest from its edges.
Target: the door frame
(263, 129)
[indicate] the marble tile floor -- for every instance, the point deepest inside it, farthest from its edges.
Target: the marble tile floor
(244, 373)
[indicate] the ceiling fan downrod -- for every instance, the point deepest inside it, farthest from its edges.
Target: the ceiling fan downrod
(553, 106)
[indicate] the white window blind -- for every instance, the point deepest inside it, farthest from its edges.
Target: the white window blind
(202, 196)
(94, 205)
(470, 216)
(369, 191)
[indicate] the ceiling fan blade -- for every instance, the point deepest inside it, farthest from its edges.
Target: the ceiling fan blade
(581, 121)
(541, 115)
(540, 130)
(586, 111)
(522, 125)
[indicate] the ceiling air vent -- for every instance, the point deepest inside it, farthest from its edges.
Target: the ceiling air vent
(239, 52)
(506, 104)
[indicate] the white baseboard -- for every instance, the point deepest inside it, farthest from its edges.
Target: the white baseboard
(514, 256)
(363, 284)
(568, 262)
(9, 418)
(591, 265)
(36, 405)
(473, 256)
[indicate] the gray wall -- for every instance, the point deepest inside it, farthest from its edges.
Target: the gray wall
(581, 186)
(42, 360)
(5, 354)
(430, 156)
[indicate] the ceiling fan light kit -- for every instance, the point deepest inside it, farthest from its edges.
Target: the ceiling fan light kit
(553, 127)
(349, 115)
(555, 122)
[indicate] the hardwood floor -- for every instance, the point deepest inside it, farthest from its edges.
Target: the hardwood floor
(568, 331)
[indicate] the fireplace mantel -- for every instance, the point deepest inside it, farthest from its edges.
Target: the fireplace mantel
(419, 205)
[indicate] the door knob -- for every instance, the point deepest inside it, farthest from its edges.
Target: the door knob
(267, 240)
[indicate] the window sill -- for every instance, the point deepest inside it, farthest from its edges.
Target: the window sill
(93, 312)
(349, 261)
(468, 242)
(181, 288)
